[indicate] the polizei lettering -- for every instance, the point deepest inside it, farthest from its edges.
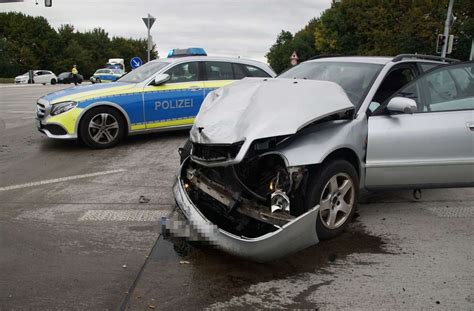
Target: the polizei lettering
(174, 104)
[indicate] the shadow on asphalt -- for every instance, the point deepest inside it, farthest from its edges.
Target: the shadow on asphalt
(131, 141)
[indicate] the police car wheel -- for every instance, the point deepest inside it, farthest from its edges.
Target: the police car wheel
(102, 127)
(97, 80)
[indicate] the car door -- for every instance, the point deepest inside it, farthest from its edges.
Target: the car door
(433, 147)
(176, 102)
(38, 77)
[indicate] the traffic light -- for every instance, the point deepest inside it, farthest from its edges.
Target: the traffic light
(453, 41)
(440, 43)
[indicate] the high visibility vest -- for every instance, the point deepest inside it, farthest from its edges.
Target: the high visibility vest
(74, 71)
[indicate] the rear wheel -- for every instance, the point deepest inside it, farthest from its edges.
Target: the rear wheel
(53, 81)
(102, 127)
(335, 188)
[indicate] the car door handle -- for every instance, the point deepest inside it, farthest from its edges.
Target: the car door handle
(194, 88)
(470, 125)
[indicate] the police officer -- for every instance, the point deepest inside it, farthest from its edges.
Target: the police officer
(74, 74)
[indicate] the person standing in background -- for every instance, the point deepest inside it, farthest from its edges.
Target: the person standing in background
(74, 74)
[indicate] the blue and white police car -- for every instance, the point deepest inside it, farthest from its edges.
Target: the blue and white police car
(163, 94)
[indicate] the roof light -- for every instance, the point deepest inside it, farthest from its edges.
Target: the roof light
(186, 52)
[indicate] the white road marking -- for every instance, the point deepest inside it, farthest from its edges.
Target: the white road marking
(453, 212)
(124, 215)
(58, 180)
(21, 111)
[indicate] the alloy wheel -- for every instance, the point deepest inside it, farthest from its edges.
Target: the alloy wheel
(337, 201)
(103, 128)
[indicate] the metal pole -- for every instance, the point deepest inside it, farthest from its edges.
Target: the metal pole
(148, 46)
(471, 57)
(446, 28)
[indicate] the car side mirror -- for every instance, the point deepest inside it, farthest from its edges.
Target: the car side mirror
(161, 79)
(402, 104)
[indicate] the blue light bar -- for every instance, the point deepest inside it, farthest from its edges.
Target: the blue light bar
(186, 52)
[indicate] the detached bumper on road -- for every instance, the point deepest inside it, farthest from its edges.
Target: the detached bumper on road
(292, 237)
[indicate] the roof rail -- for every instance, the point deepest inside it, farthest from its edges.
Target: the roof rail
(422, 56)
(325, 56)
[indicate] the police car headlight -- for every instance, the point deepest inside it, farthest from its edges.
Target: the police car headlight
(62, 107)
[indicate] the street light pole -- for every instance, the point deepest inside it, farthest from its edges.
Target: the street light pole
(446, 28)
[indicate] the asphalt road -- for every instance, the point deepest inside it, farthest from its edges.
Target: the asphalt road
(78, 230)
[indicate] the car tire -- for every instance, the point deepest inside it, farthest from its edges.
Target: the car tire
(102, 127)
(97, 80)
(185, 151)
(53, 81)
(335, 188)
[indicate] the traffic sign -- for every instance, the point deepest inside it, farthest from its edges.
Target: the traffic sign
(149, 21)
(136, 62)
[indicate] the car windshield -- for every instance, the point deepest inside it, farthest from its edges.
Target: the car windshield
(354, 78)
(118, 71)
(103, 71)
(143, 72)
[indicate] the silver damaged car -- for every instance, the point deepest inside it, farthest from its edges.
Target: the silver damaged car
(273, 166)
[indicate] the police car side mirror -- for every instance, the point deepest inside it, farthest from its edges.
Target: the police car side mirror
(161, 79)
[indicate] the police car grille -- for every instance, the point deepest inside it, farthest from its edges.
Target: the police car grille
(40, 110)
(216, 152)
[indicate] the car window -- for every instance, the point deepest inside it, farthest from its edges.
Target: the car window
(143, 72)
(450, 89)
(444, 89)
(427, 66)
(354, 78)
(238, 71)
(394, 81)
(219, 71)
(186, 72)
(256, 72)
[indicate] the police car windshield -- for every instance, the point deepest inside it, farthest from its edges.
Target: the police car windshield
(143, 72)
(354, 78)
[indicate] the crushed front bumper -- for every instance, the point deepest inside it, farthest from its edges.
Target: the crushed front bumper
(291, 237)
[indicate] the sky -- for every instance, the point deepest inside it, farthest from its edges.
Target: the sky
(245, 28)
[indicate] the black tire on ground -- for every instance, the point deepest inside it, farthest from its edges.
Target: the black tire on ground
(320, 182)
(43, 83)
(89, 135)
(97, 80)
(53, 81)
(185, 151)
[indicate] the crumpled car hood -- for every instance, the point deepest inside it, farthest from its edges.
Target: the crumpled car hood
(255, 108)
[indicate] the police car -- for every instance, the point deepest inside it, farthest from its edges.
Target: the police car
(163, 94)
(106, 75)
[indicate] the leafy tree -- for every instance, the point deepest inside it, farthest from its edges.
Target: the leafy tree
(28, 42)
(377, 27)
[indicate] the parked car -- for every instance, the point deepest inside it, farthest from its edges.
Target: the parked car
(164, 94)
(275, 165)
(39, 76)
(106, 75)
(66, 78)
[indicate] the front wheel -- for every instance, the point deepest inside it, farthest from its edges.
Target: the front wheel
(102, 127)
(335, 188)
